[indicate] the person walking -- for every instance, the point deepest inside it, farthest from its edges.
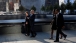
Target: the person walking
(53, 23)
(59, 25)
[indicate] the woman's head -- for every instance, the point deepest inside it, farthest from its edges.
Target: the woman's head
(53, 11)
(26, 13)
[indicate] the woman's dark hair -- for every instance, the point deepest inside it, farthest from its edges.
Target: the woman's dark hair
(27, 13)
(53, 12)
(57, 9)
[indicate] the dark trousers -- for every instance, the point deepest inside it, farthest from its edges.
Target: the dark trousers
(32, 30)
(59, 31)
(27, 29)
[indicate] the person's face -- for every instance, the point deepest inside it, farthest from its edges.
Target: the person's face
(56, 11)
(32, 11)
(26, 14)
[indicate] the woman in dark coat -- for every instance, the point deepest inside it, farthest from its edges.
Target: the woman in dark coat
(54, 25)
(27, 24)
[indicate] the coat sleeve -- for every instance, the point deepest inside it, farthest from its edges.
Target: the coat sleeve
(62, 19)
(33, 17)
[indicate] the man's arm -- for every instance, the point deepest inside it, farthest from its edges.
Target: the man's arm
(62, 20)
(63, 26)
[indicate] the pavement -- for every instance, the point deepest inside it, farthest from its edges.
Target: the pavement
(42, 37)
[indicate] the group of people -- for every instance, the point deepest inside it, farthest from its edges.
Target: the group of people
(29, 24)
(57, 24)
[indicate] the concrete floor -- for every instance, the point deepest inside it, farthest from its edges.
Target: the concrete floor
(41, 37)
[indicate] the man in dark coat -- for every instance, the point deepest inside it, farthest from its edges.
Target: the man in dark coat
(59, 25)
(32, 20)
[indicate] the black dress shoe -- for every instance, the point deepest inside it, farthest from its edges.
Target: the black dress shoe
(65, 37)
(56, 41)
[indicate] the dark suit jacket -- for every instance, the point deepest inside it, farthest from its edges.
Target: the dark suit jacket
(60, 20)
(27, 20)
(32, 19)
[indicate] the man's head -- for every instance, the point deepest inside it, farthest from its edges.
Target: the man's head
(57, 11)
(32, 11)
